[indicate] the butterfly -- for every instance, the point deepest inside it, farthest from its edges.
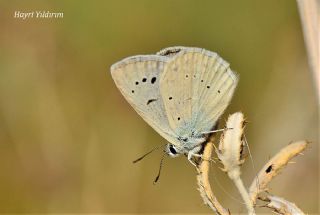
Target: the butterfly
(180, 92)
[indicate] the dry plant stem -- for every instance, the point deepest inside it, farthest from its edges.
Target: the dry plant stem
(244, 194)
(309, 13)
(203, 182)
(273, 166)
(230, 153)
(281, 205)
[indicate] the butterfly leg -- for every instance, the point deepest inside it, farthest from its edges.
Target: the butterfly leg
(194, 153)
(193, 163)
(201, 156)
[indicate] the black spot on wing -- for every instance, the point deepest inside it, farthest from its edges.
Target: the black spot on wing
(153, 80)
(151, 100)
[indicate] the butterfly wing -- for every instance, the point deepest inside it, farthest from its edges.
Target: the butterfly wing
(176, 90)
(171, 51)
(137, 78)
(214, 88)
(196, 87)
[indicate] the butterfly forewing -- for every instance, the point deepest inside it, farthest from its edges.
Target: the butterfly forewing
(138, 80)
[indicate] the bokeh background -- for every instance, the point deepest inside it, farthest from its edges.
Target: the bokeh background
(68, 137)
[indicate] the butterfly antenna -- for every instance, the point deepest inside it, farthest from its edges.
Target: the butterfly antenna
(160, 167)
(214, 131)
(140, 158)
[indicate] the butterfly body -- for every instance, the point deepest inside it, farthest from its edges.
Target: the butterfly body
(180, 92)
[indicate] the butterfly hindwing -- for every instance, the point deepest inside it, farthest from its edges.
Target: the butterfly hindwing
(176, 90)
(196, 86)
(214, 89)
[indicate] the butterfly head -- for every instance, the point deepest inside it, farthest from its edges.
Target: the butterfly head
(184, 145)
(172, 150)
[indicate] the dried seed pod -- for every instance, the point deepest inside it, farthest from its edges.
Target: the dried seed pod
(231, 145)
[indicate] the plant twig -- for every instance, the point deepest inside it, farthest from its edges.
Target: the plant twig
(281, 205)
(273, 166)
(203, 181)
(309, 13)
(244, 194)
(230, 153)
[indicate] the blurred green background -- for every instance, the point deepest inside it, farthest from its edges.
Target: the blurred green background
(68, 137)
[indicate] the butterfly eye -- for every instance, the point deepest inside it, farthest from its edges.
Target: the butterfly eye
(172, 150)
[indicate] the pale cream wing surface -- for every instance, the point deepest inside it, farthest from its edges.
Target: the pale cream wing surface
(213, 88)
(196, 86)
(176, 91)
(138, 80)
